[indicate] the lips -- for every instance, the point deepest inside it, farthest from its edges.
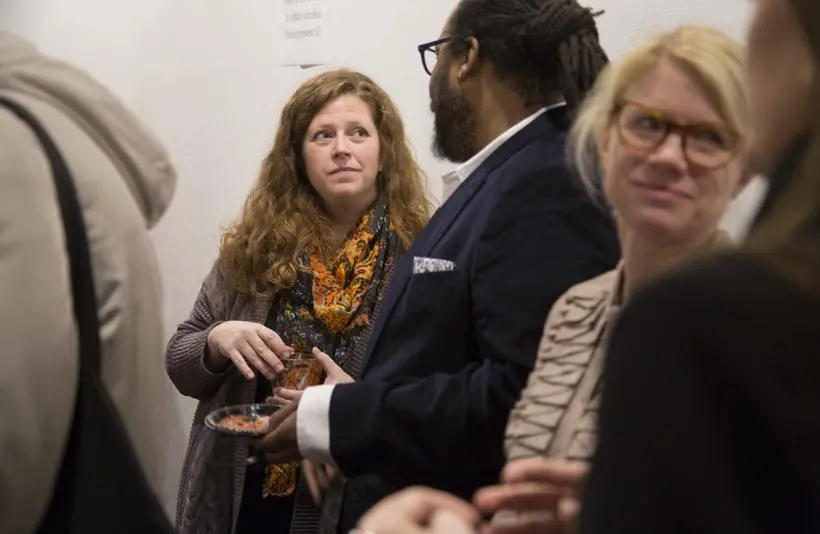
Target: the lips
(344, 169)
(660, 190)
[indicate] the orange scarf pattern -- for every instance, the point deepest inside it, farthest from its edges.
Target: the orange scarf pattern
(338, 292)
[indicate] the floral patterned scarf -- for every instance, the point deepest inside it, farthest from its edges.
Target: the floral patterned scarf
(331, 304)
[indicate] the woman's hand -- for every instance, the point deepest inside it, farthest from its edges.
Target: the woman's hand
(334, 375)
(420, 511)
(249, 346)
(536, 496)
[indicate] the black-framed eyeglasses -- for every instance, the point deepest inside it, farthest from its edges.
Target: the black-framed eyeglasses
(429, 53)
(708, 145)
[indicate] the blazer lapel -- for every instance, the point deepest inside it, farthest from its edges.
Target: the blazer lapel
(398, 281)
(424, 243)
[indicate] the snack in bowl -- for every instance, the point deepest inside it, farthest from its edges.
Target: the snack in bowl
(241, 420)
(243, 423)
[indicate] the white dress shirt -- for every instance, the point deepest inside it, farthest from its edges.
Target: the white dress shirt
(313, 414)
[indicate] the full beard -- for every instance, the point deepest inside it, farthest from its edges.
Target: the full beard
(454, 122)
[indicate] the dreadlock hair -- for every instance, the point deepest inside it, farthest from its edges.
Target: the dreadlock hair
(540, 46)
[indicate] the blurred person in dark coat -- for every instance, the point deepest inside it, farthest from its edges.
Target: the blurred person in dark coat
(724, 358)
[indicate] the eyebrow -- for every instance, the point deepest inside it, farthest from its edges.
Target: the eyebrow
(332, 126)
(678, 116)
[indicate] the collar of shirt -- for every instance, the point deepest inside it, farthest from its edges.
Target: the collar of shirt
(455, 177)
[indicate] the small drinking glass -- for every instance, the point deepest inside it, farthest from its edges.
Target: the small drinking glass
(302, 370)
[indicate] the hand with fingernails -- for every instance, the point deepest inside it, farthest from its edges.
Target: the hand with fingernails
(536, 496)
(249, 346)
(333, 375)
(318, 477)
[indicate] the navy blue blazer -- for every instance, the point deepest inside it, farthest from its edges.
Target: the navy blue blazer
(451, 351)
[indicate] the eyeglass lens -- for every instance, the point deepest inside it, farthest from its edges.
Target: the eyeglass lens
(707, 145)
(430, 59)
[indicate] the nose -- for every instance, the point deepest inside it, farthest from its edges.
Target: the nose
(341, 146)
(670, 152)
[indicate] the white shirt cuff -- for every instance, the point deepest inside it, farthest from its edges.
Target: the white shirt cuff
(313, 424)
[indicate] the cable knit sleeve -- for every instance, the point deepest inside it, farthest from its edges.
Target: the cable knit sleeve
(184, 358)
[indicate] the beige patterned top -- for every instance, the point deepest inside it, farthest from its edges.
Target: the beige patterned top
(556, 415)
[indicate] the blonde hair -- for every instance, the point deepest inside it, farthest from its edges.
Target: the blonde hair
(282, 214)
(712, 58)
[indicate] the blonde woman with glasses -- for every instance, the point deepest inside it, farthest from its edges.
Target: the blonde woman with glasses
(664, 127)
(664, 130)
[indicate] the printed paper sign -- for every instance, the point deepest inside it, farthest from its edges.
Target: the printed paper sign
(303, 39)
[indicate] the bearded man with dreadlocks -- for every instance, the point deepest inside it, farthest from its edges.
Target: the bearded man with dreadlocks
(457, 331)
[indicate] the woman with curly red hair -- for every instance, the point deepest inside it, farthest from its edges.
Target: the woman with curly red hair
(304, 267)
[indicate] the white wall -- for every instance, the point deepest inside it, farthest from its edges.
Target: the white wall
(204, 75)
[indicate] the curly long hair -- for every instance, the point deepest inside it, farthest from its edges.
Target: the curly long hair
(283, 214)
